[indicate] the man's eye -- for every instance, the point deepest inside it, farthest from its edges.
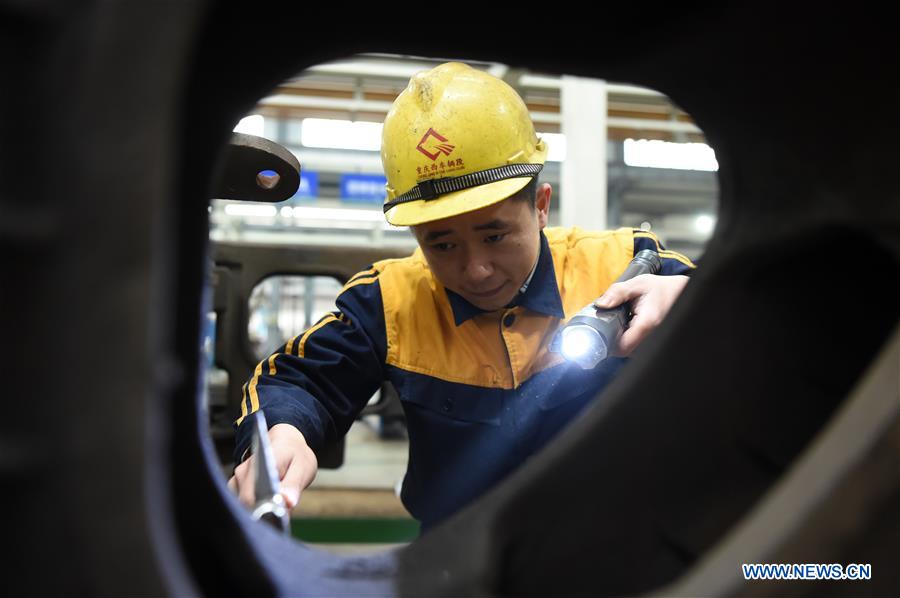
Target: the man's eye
(494, 238)
(443, 246)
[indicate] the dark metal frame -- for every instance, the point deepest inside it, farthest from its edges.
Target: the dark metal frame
(237, 269)
(111, 488)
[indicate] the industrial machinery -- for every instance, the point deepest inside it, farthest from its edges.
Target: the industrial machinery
(754, 428)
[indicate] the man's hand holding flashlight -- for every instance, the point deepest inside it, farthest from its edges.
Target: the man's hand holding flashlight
(651, 298)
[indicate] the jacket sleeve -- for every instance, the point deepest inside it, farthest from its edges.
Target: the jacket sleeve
(320, 380)
(672, 261)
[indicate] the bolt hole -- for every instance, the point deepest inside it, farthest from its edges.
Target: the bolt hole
(267, 179)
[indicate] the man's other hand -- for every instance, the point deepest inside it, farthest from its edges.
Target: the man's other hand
(297, 466)
(651, 298)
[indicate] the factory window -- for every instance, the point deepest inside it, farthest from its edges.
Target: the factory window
(281, 307)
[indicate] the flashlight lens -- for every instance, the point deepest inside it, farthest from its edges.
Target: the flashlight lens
(578, 341)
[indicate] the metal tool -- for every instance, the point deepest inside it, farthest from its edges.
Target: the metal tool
(594, 332)
(270, 505)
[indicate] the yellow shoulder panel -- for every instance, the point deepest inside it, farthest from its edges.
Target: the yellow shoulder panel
(422, 336)
(587, 262)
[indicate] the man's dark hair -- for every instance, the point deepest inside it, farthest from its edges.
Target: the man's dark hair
(528, 192)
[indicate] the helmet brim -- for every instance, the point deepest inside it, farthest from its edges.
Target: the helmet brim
(454, 204)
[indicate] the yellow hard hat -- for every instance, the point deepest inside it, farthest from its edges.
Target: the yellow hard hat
(456, 140)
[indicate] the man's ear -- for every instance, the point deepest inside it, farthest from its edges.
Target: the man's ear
(542, 203)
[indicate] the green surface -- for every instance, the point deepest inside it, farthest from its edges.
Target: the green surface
(355, 531)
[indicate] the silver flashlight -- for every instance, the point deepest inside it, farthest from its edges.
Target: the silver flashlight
(593, 333)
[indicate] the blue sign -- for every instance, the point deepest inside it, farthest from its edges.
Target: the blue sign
(367, 188)
(309, 185)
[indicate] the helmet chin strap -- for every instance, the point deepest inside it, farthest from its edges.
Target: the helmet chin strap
(434, 188)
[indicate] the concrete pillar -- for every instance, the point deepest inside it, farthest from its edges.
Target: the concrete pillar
(583, 175)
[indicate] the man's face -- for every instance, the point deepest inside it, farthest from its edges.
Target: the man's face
(485, 256)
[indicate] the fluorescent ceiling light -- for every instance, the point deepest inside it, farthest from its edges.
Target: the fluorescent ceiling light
(313, 213)
(664, 154)
(340, 134)
(370, 68)
(251, 125)
(366, 136)
(704, 223)
(241, 209)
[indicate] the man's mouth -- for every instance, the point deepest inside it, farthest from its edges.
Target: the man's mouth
(488, 293)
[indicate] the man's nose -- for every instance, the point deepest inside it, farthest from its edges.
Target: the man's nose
(478, 268)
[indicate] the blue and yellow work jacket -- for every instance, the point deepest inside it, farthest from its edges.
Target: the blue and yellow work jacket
(481, 391)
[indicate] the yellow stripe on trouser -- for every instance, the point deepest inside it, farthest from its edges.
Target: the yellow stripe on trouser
(289, 344)
(665, 253)
(254, 398)
(322, 322)
(677, 256)
(243, 404)
(364, 274)
(364, 280)
(251, 386)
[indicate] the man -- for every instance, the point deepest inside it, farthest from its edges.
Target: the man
(462, 327)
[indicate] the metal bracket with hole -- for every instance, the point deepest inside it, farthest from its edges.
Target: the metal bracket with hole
(256, 169)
